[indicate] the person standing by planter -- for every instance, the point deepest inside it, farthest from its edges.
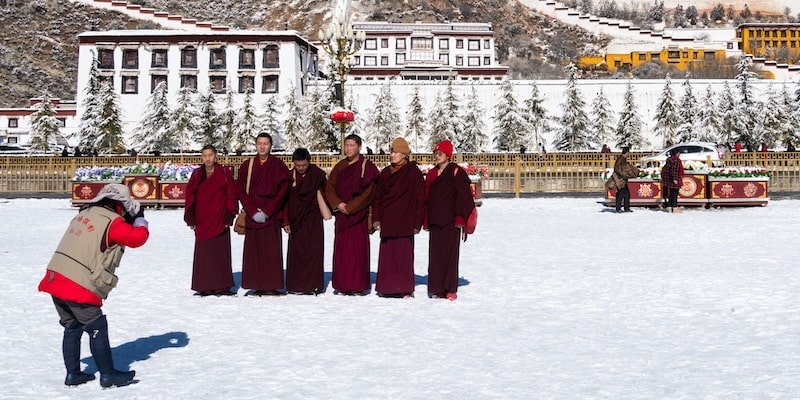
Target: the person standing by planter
(398, 212)
(81, 274)
(623, 171)
(262, 259)
(448, 198)
(210, 207)
(672, 179)
(303, 222)
(349, 190)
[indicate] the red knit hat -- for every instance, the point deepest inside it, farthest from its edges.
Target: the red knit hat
(446, 147)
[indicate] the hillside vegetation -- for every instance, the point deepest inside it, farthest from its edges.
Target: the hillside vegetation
(39, 51)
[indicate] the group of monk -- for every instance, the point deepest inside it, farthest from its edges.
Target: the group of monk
(397, 202)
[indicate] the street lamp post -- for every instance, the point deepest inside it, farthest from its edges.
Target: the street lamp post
(340, 42)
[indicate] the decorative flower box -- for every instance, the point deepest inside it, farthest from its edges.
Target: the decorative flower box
(82, 192)
(143, 188)
(724, 191)
(477, 189)
(172, 193)
(647, 192)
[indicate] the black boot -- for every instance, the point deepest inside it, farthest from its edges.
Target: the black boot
(101, 351)
(71, 350)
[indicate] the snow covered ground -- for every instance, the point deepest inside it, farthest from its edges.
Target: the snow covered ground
(559, 299)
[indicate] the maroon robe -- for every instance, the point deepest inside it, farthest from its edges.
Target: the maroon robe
(399, 206)
(354, 185)
(306, 248)
(448, 195)
(262, 261)
(210, 207)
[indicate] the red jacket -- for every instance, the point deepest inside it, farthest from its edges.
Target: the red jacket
(119, 232)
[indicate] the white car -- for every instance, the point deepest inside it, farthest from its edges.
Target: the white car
(689, 151)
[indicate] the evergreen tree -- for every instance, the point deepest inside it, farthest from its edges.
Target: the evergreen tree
(679, 17)
(691, 15)
(415, 121)
(586, 7)
(357, 126)
(727, 111)
(656, 12)
(717, 13)
(775, 117)
(248, 124)
(666, 119)
(208, 129)
(227, 121)
(271, 118)
(572, 132)
(792, 107)
(444, 118)
(109, 127)
(709, 120)
(473, 138)
(384, 120)
(45, 127)
(294, 128)
(535, 116)
(323, 133)
(747, 106)
(629, 126)
(602, 120)
(509, 123)
(87, 128)
(153, 132)
(185, 118)
(687, 113)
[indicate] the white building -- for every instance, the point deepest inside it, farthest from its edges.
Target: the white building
(135, 61)
(15, 123)
(426, 51)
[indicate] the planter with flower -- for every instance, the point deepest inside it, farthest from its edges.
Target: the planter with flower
(645, 189)
(88, 181)
(172, 180)
(142, 180)
(738, 186)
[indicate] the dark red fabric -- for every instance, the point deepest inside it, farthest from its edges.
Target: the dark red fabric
(672, 173)
(262, 261)
(351, 259)
(268, 188)
(443, 253)
(306, 246)
(399, 203)
(211, 202)
(395, 266)
(447, 196)
(211, 269)
(57, 285)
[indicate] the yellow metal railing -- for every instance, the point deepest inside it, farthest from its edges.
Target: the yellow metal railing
(508, 172)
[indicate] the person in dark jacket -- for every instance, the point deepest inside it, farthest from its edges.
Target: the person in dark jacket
(81, 274)
(398, 211)
(672, 179)
(623, 171)
(211, 204)
(448, 198)
(303, 218)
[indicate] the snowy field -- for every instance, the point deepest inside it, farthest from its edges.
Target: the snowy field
(559, 299)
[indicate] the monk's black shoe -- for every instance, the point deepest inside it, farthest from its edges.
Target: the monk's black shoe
(78, 379)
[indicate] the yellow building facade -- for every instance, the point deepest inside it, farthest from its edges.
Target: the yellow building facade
(777, 42)
(682, 58)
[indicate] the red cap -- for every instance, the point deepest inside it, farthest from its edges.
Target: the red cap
(446, 147)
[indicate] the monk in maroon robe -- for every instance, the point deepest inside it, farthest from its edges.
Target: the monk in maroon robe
(398, 211)
(262, 262)
(449, 197)
(349, 190)
(303, 222)
(209, 210)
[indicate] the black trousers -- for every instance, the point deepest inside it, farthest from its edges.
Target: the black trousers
(672, 201)
(623, 198)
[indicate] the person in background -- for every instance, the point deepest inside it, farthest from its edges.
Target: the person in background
(448, 198)
(397, 213)
(262, 260)
(605, 149)
(64, 152)
(672, 179)
(77, 152)
(210, 207)
(82, 272)
(303, 222)
(623, 171)
(349, 190)
(790, 145)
